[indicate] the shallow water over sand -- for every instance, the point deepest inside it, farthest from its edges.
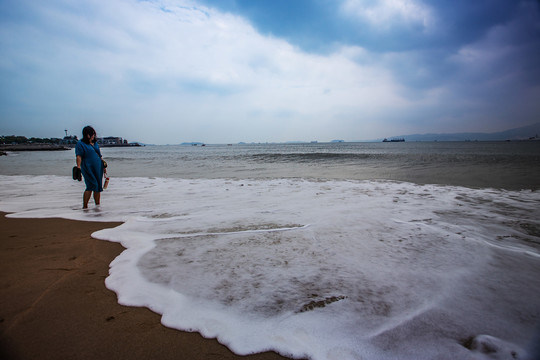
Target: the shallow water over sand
(325, 269)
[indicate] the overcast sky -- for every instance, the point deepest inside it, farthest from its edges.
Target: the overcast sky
(224, 71)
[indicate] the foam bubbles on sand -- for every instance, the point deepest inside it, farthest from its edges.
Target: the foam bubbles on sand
(326, 270)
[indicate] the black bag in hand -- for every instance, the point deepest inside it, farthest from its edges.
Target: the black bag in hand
(77, 174)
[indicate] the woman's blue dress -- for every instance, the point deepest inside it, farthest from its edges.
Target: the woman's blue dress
(91, 165)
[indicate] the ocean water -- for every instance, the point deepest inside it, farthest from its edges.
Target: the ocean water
(320, 251)
(508, 165)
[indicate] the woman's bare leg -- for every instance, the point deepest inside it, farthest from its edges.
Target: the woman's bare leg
(97, 197)
(86, 198)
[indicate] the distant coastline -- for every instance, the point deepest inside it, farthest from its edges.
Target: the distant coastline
(50, 147)
(22, 143)
(33, 147)
(524, 133)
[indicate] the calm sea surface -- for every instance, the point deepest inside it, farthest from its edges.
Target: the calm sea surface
(507, 165)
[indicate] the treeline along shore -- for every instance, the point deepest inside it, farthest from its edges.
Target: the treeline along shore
(33, 147)
(22, 143)
(4, 148)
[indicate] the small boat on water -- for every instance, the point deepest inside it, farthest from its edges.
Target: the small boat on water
(394, 140)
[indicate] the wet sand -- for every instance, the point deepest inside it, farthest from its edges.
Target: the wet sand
(54, 303)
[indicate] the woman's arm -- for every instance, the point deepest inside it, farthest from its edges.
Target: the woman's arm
(79, 161)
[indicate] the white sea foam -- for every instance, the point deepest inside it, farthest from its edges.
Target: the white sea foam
(325, 270)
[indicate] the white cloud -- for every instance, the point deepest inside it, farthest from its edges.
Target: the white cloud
(385, 14)
(171, 71)
(200, 73)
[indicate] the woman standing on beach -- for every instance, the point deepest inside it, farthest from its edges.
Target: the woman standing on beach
(88, 157)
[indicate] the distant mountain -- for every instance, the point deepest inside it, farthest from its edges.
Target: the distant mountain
(531, 132)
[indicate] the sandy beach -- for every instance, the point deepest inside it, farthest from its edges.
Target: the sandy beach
(54, 303)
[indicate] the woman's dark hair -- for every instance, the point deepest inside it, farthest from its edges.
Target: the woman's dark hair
(87, 133)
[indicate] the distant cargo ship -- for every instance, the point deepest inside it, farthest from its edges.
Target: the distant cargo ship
(394, 140)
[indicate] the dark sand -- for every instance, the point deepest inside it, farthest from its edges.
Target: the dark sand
(54, 303)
